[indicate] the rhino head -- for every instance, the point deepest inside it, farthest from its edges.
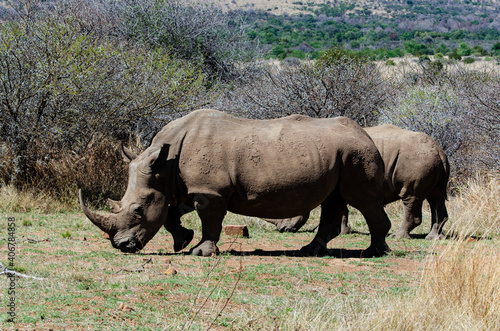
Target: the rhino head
(139, 215)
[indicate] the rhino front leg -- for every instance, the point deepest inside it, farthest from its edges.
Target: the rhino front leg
(413, 218)
(182, 236)
(439, 217)
(211, 211)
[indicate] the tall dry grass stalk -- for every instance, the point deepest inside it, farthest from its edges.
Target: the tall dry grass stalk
(475, 211)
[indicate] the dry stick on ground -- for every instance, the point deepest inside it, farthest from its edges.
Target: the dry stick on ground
(189, 320)
(141, 269)
(15, 273)
(240, 270)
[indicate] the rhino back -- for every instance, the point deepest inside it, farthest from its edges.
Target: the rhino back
(414, 162)
(256, 164)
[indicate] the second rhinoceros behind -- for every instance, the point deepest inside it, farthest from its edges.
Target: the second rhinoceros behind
(214, 163)
(416, 169)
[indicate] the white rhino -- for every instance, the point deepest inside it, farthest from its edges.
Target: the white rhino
(213, 162)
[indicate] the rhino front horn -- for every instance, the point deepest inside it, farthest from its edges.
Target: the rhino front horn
(105, 223)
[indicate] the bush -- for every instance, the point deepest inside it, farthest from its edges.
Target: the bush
(192, 31)
(63, 85)
(343, 86)
(469, 60)
(441, 113)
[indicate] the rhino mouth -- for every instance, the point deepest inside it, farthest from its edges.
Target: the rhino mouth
(129, 246)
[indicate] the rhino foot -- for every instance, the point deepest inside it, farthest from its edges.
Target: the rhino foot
(400, 235)
(345, 230)
(286, 228)
(181, 242)
(435, 236)
(375, 251)
(205, 248)
(314, 248)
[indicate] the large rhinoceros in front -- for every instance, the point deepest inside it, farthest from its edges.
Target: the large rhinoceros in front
(214, 163)
(416, 169)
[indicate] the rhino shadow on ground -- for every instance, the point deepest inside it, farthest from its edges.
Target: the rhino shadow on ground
(335, 252)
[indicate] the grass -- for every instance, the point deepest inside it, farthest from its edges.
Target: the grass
(449, 284)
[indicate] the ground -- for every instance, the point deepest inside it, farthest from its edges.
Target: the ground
(89, 285)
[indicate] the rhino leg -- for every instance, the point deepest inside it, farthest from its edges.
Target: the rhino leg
(439, 217)
(332, 210)
(292, 224)
(211, 211)
(413, 218)
(182, 236)
(344, 227)
(379, 225)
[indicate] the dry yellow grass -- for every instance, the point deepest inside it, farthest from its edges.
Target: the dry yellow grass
(15, 201)
(460, 288)
(475, 211)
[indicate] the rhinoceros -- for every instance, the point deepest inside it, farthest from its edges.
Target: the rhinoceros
(214, 162)
(416, 169)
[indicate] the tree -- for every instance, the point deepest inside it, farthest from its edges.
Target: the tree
(61, 86)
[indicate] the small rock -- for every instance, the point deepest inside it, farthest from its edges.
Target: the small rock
(124, 307)
(236, 230)
(170, 271)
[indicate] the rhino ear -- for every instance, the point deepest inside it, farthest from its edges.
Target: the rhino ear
(127, 155)
(159, 158)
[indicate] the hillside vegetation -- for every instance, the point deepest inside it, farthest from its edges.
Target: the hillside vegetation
(380, 28)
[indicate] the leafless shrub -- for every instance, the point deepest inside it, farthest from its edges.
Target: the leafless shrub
(480, 89)
(60, 86)
(194, 31)
(349, 88)
(458, 107)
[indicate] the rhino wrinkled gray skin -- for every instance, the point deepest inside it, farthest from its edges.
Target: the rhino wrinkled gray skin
(416, 169)
(213, 162)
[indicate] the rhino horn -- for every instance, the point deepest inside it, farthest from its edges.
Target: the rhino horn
(105, 223)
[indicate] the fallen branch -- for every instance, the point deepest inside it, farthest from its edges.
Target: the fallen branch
(34, 241)
(15, 273)
(141, 268)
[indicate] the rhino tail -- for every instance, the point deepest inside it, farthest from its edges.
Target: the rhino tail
(443, 184)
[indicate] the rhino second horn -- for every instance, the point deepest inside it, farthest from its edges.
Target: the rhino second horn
(115, 205)
(105, 223)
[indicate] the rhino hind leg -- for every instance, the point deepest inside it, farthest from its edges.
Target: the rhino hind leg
(292, 224)
(439, 218)
(379, 225)
(332, 210)
(344, 227)
(412, 218)
(211, 211)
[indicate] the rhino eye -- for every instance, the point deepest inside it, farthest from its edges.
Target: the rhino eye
(138, 211)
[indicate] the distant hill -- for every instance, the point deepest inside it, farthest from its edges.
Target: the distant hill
(399, 26)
